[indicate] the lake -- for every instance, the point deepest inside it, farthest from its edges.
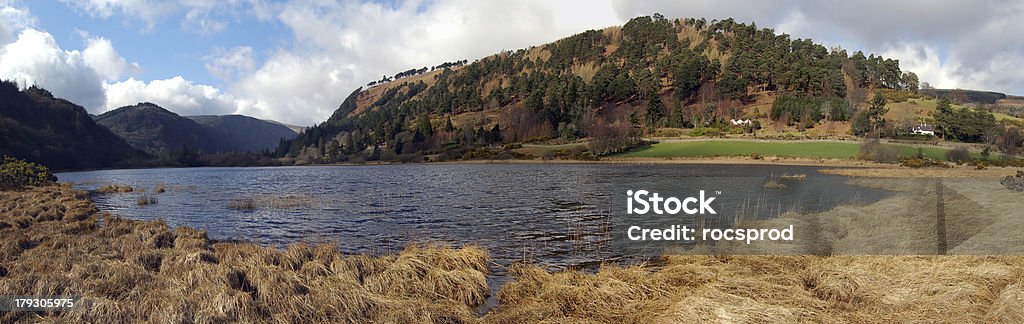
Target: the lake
(555, 215)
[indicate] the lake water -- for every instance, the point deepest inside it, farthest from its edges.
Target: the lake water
(556, 215)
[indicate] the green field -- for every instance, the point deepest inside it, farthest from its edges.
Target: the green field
(828, 150)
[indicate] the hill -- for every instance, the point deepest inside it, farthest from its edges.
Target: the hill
(966, 96)
(244, 133)
(650, 73)
(160, 132)
(54, 132)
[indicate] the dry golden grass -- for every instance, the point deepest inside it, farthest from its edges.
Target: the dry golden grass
(54, 242)
(757, 289)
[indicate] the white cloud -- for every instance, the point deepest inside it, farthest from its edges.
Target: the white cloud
(924, 61)
(229, 64)
(341, 46)
(148, 11)
(36, 59)
(175, 94)
(13, 20)
(203, 17)
(100, 55)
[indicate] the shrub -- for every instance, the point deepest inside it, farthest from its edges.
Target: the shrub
(919, 162)
(15, 174)
(706, 131)
(613, 138)
(873, 150)
(1014, 182)
(958, 155)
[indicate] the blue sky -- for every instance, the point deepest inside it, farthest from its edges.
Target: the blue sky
(295, 60)
(166, 49)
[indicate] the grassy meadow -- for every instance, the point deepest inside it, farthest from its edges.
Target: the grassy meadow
(822, 150)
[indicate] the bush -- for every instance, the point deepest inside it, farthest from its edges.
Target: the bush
(958, 155)
(1014, 182)
(613, 138)
(16, 174)
(919, 162)
(873, 150)
(706, 131)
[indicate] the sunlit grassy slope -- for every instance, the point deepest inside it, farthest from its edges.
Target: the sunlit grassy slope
(921, 109)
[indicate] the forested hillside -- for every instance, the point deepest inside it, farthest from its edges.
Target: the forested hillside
(37, 127)
(618, 82)
(158, 131)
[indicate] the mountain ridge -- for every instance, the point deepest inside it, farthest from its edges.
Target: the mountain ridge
(159, 131)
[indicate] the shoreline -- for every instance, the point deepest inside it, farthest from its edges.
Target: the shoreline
(846, 167)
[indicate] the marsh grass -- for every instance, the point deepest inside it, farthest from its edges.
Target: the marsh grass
(773, 184)
(269, 201)
(133, 271)
(794, 177)
(145, 200)
(242, 204)
(114, 188)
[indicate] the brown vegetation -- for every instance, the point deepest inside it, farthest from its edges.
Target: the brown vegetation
(758, 289)
(54, 242)
(114, 188)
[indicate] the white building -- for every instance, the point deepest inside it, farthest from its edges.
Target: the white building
(739, 122)
(923, 129)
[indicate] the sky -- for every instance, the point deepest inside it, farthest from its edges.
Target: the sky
(294, 61)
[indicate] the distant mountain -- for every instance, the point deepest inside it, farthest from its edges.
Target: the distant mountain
(244, 133)
(158, 131)
(296, 129)
(37, 127)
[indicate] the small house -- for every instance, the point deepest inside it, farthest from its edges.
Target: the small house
(740, 122)
(923, 129)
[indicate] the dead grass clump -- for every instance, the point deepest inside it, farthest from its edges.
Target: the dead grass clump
(772, 184)
(796, 177)
(1008, 305)
(145, 200)
(114, 188)
(242, 204)
(160, 188)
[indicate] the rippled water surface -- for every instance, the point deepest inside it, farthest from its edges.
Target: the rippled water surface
(556, 215)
